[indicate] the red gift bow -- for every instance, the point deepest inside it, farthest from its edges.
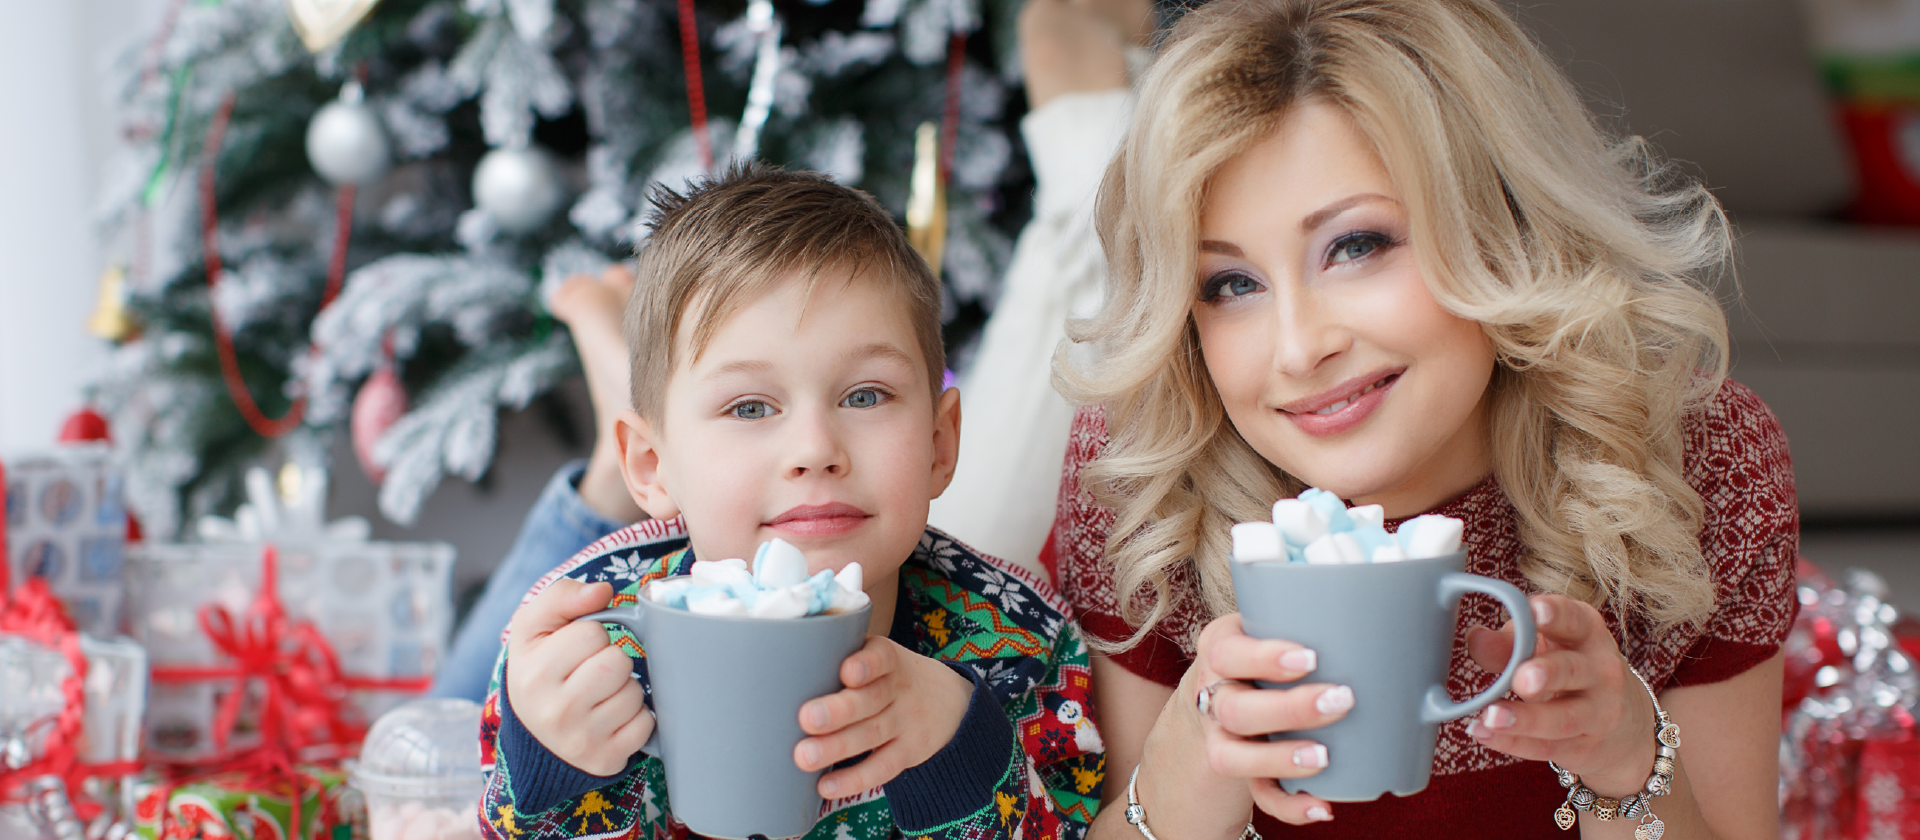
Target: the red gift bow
(304, 708)
(32, 612)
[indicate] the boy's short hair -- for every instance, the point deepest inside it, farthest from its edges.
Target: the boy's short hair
(734, 237)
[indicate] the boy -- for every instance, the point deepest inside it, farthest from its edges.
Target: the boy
(786, 374)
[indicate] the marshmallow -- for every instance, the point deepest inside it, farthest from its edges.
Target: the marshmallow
(846, 600)
(850, 578)
(778, 564)
(787, 602)
(715, 602)
(1430, 536)
(1257, 541)
(1389, 553)
(1322, 552)
(1367, 516)
(1299, 523)
(1329, 506)
(723, 572)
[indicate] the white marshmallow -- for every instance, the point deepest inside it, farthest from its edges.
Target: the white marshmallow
(1432, 536)
(1368, 516)
(1322, 552)
(1255, 541)
(1349, 548)
(1389, 553)
(846, 600)
(851, 578)
(716, 603)
(779, 565)
(1299, 522)
(785, 602)
(670, 590)
(730, 572)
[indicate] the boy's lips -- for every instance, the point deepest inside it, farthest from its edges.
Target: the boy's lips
(820, 520)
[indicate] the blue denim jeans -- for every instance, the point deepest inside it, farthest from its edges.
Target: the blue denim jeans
(558, 526)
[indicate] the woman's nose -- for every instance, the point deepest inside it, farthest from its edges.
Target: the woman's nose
(1306, 332)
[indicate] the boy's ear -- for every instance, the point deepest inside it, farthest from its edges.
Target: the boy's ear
(640, 465)
(946, 439)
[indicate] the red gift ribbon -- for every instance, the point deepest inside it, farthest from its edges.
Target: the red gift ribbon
(304, 707)
(32, 612)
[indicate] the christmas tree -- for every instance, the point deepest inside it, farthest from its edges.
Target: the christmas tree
(334, 209)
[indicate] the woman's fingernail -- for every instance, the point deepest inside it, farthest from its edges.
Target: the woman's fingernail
(1497, 718)
(1542, 612)
(1334, 700)
(1299, 659)
(1319, 814)
(1530, 679)
(1475, 732)
(1313, 755)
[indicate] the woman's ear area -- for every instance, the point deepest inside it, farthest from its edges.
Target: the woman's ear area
(946, 439)
(639, 443)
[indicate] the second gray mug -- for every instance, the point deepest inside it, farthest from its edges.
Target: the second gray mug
(1386, 630)
(727, 693)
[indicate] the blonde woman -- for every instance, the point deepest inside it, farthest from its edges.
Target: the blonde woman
(1379, 247)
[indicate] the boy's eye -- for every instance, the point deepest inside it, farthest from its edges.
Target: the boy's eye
(1231, 284)
(750, 410)
(863, 398)
(1356, 246)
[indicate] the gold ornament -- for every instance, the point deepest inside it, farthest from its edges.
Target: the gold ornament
(322, 23)
(1650, 830)
(109, 319)
(927, 198)
(1564, 817)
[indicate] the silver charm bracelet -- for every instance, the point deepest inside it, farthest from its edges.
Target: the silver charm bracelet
(1137, 816)
(1637, 805)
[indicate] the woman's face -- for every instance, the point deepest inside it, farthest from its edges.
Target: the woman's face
(1332, 357)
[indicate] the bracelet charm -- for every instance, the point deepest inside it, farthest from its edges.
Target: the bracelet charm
(1634, 806)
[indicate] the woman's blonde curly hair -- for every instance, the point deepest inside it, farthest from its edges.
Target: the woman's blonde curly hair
(1584, 259)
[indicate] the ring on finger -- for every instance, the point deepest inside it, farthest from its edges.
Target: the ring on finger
(1204, 699)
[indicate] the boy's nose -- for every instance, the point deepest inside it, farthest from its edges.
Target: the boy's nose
(816, 448)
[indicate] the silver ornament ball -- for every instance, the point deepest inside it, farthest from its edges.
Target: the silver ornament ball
(346, 142)
(519, 187)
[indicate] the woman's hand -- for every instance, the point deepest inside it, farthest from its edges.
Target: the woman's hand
(1240, 715)
(1580, 706)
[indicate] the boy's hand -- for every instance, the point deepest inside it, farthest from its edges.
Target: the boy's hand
(901, 705)
(570, 688)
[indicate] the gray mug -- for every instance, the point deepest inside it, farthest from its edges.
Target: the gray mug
(1386, 630)
(727, 693)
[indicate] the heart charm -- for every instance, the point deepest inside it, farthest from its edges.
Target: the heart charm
(1650, 830)
(322, 23)
(1563, 817)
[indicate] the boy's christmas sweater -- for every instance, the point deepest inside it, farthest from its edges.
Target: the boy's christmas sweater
(1027, 761)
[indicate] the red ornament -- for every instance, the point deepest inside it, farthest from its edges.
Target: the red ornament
(84, 426)
(382, 401)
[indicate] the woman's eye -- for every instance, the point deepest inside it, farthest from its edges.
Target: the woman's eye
(750, 410)
(1230, 285)
(863, 398)
(1356, 246)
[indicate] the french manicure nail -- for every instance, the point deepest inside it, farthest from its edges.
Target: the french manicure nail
(1529, 680)
(1299, 659)
(1313, 755)
(1319, 814)
(1542, 612)
(1334, 700)
(1497, 718)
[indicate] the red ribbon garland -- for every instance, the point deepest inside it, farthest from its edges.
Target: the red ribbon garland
(305, 692)
(696, 88)
(32, 612)
(267, 427)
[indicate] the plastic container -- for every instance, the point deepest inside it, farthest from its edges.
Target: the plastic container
(420, 772)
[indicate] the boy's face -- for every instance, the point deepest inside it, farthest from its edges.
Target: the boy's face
(806, 418)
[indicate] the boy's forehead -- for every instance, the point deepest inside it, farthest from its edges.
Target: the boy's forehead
(799, 296)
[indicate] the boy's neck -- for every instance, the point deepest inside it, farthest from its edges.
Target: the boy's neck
(884, 593)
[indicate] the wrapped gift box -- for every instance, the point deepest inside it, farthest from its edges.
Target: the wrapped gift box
(385, 609)
(66, 522)
(250, 806)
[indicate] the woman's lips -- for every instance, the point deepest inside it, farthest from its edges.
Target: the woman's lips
(820, 520)
(1339, 409)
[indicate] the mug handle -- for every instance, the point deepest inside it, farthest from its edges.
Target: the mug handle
(1440, 707)
(634, 620)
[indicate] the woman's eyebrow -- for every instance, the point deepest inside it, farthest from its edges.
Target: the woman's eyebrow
(1321, 216)
(1214, 246)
